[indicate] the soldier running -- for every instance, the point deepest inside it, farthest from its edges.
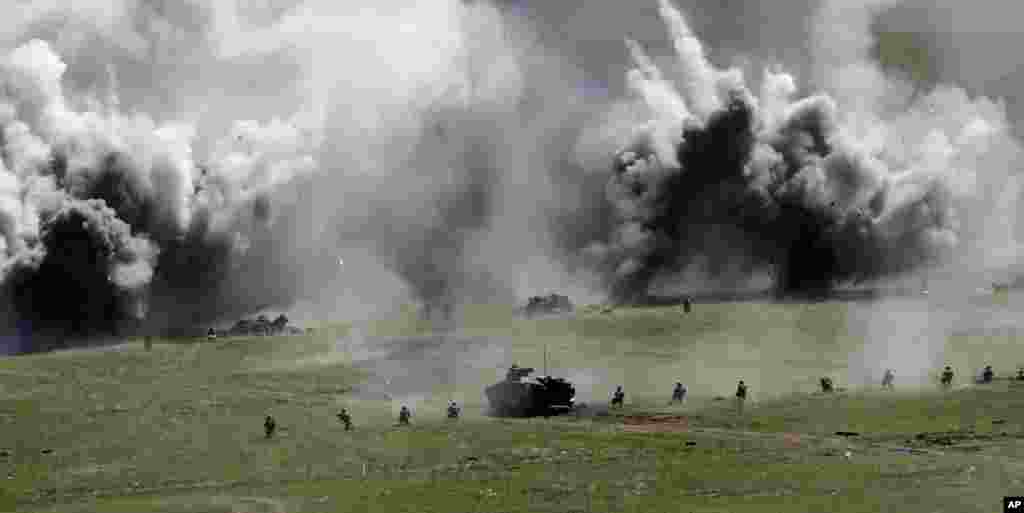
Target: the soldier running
(947, 377)
(619, 397)
(741, 396)
(346, 419)
(887, 379)
(987, 375)
(269, 426)
(404, 415)
(453, 410)
(687, 305)
(678, 393)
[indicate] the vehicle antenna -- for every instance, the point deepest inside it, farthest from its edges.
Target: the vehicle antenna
(545, 359)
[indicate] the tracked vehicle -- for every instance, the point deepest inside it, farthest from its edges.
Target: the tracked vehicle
(543, 397)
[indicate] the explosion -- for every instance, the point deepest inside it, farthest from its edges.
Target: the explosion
(117, 222)
(102, 211)
(165, 166)
(796, 187)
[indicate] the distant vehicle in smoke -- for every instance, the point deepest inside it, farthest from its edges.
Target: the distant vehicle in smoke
(515, 398)
(550, 304)
(261, 326)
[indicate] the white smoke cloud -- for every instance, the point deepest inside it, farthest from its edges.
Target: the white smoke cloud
(698, 74)
(261, 140)
(953, 165)
(245, 144)
(928, 175)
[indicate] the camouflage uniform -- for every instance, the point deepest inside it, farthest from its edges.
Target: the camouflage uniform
(453, 410)
(404, 415)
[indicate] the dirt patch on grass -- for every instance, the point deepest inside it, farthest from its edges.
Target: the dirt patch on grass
(655, 423)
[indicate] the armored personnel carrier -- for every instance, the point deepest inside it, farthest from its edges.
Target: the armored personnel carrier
(550, 304)
(545, 396)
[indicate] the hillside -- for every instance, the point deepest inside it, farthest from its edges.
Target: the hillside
(179, 428)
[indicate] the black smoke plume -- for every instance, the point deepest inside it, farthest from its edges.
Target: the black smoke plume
(169, 165)
(116, 222)
(110, 228)
(771, 185)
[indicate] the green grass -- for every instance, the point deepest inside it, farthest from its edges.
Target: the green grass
(179, 428)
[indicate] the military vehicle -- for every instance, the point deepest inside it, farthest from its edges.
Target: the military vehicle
(260, 326)
(544, 397)
(550, 304)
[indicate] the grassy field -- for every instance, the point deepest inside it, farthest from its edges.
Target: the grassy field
(179, 428)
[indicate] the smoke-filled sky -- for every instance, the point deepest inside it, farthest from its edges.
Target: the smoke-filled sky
(168, 164)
